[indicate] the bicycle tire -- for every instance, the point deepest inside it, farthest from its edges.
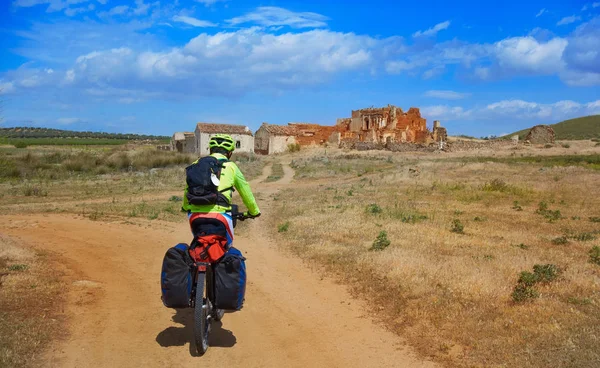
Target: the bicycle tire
(201, 322)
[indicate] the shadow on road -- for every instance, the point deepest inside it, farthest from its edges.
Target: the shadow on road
(179, 336)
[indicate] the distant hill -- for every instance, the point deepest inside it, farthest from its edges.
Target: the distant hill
(586, 127)
(32, 132)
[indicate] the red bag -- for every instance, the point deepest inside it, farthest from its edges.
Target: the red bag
(208, 248)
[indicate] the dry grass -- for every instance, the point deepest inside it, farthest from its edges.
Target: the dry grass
(30, 301)
(450, 291)
(276, 172)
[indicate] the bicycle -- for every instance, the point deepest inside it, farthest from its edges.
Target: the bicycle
(203, 296)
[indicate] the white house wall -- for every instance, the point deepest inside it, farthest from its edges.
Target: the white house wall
(279, 144)
(246, 142)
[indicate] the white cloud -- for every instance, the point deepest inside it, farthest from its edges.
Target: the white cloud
(526, 54)
(53, 5)
(445, 112)
(209, 2)
(226, 63)
(269, 16)
(141, 8)
(397, 67)
(193, 21)
(446, 95)
(568, 20)
(6, 87)
(434, 30)
(434, 72)
(515, 110)
(117, 10)
(541, 12)
(70, 12)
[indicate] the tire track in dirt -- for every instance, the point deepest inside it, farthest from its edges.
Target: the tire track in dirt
(292, 316)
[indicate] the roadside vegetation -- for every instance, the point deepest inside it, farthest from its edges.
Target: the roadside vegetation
(100, 182)
(460, 254)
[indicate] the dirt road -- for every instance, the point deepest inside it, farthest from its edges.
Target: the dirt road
(292, 316)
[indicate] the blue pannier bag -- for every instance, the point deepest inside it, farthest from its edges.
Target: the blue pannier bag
(230, 280)
(176, 277)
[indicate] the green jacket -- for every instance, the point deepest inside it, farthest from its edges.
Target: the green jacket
(231, 177)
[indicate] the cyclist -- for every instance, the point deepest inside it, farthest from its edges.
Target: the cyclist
(216, 219)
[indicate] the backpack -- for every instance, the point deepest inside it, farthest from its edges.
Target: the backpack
(230, 280)
(201, 187)
(176, 277)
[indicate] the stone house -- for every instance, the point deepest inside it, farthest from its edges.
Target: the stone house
(242, 135)
(270, 138)
(183, 142)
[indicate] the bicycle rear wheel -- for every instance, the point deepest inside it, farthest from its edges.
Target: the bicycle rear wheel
(201, 313)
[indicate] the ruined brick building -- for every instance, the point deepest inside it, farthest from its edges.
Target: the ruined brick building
(387, 124)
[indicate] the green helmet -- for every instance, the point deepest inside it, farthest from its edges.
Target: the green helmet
(222, 140)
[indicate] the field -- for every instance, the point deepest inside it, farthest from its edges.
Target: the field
(477, 259)
(480, 260)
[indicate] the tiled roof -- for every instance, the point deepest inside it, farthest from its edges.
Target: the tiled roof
(223, 128)
(279, 129)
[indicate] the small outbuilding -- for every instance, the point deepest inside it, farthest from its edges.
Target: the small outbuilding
(271, 138)
(183, 142)
(242, 135)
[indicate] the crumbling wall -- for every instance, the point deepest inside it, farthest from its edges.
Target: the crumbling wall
(377, 125)
(541, 134)
(312, 134)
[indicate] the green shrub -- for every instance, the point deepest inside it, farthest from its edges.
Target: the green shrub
(18, 267)
(294, 147)
(550, 215)
(595, 255)
(594, 219)
(566, 145)
(548, 145)
(374, 208)
(523, 293)
(516, 206)
(522, 246)
(527, 278)
(546, 273)
(584, 237)
(283, 227)
(175, 199)
(381, 242)
(524, 290)
(457, 227)
(561, 240)
(20, 144)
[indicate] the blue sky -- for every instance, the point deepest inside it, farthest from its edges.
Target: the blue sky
(156, 67)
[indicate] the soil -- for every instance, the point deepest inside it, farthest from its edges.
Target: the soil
(293, 316)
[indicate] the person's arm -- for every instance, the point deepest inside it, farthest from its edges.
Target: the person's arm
(185, 206)
(242, 186)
